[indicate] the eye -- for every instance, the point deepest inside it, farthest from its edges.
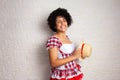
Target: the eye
(64, 20)
(58, 21)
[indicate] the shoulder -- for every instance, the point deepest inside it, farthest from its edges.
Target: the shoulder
(53, 39)
(53, 42)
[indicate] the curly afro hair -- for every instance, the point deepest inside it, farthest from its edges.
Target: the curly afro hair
(58, 12)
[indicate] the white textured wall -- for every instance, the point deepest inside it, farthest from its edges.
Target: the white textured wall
(24, 30)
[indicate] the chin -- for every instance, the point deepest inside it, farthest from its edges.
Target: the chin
(63, 30)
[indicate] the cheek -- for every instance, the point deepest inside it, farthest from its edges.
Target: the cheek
(66, 23)
(58, 24)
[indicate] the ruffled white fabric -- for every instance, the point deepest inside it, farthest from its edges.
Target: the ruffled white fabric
(67, 49)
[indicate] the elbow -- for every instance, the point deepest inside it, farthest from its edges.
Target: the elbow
(53, 65)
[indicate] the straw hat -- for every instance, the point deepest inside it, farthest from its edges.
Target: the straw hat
(86, 49)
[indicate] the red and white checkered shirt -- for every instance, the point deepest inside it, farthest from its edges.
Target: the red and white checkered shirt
(68, 70)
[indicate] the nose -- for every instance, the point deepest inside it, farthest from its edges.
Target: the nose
(63, 22)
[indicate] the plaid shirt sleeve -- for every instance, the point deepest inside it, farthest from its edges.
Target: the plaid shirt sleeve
(52, 42)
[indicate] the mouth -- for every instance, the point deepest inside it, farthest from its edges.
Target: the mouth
(63, 27)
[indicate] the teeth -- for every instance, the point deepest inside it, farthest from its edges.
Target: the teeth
(63, 26)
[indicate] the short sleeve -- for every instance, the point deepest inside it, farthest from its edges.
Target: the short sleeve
(53, 42)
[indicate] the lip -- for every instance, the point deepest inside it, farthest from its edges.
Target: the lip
(63, 27)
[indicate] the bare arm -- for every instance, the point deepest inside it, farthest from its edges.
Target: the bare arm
(55, 61)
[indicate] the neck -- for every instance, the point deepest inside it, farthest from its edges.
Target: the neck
(59, 34)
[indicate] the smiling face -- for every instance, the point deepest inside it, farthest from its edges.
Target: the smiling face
(61, 24)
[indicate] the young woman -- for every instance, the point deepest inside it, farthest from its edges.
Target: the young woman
(62, 52)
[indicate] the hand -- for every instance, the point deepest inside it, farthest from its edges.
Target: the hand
(77, 53)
